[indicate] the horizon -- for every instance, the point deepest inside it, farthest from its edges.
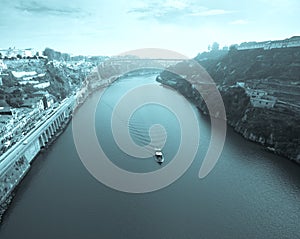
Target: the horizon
(122, 54)
(110, 29)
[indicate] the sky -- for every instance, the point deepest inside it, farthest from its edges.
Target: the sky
(110, 27)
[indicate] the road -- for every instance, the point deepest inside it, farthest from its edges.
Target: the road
(17, 150)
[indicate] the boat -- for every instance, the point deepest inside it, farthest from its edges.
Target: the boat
(159, 157)
(271, 149)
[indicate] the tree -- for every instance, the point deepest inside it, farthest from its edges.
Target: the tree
(215, 46)
(28, 89)
(65, 56)
(233, 48)
(51, 54)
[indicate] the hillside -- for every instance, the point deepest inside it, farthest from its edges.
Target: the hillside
(261, 93)
(24, 77)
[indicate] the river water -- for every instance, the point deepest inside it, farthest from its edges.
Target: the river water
(251, 193)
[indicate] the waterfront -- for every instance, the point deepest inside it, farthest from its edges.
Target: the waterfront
(250, 193)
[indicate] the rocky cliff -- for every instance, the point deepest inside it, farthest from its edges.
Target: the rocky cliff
(261, 93)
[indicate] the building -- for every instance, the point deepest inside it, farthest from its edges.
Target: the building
(2, 67)
(5, 111)
(240, 84)
(48, 99)
(261, 99)
(264, 102)
(31, 77)
(34, 103)
(267, 45)
(256, 93)
(15, 53)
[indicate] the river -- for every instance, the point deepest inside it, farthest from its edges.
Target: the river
(251, 193)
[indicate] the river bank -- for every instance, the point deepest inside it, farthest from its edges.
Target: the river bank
(261, 92)
(13, 175)
(277, 128)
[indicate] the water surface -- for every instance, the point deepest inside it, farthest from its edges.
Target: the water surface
(251, 193)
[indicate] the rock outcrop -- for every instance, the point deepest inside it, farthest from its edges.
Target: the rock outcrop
(248, 80)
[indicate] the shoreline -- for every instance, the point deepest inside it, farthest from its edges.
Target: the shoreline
(9, 196)
(250, 136)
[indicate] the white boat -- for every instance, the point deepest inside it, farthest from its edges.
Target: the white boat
(159, 157)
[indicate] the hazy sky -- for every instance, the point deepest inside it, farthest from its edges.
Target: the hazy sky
(108, 27)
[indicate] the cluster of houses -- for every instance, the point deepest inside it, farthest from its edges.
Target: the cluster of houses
(258, 98)
(289, 42)
(15, 122)
(12, 124)
(13, 53)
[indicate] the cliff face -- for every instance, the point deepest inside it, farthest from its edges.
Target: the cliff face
(276, 128)
(261, 93)
(275, 73)
(278, 131)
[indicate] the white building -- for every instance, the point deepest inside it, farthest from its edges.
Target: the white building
(268, 102)
(240, 84)
(3, 66)
(256, 93)
(13, 52)
(266, 45)
(48, 99)
(261, 99)
(34, 103)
